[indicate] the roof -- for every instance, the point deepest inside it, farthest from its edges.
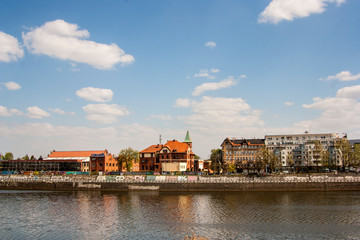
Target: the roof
(64, 154)
(152, 149)
(255, 141)
(187, 138)
(176, 146)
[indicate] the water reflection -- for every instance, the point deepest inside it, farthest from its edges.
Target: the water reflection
(169, 215)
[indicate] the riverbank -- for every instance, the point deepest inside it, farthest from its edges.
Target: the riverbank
(182, 183)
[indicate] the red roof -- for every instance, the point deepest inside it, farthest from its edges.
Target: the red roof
(62, 154)
(176, 146)
(152, 149)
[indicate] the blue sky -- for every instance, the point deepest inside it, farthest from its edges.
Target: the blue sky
(93, 75)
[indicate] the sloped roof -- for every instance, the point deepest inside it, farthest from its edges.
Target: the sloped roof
(247, 141)
(152, 149)
(187, 138)
(72, 154)
(176, 146)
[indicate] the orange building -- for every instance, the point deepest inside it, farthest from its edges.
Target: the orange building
(100, 161)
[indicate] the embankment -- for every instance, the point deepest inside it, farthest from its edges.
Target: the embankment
(181, 183)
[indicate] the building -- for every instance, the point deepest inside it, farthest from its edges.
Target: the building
(241, 152)
(99, 161)
(305, 150)
(19, 165)
(172, 156)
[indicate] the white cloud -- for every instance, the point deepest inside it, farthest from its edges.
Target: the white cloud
(162, 117)
(57, 110)
(12, 85)
(182, 102)
(95, 94)
(104, 113)
(243, 76)
(343, 76)
(230, 81)
(349, 92)
(10, 49)
(338, 114)
(288, 104)
(214, 70)
(279, 10)
(36, 112)
(4, 112)
(210, 44)
(222, 115)
(65, 41)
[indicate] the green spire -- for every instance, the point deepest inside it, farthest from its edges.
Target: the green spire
(187, 138)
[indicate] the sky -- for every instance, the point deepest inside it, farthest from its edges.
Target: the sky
(93, 75)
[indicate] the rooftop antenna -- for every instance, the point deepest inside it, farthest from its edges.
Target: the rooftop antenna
(160, 139)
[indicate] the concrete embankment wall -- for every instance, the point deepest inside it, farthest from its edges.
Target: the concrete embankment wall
(277, 183)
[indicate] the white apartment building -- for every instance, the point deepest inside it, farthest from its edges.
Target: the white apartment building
(300, 150)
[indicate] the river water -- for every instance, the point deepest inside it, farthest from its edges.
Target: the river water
(173, 215)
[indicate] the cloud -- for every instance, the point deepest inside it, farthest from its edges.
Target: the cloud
(343, 76)
(61, 112)
(162, 117)
(222, 115)
(279, 10)
(65, 41)
(338, 114)
(182, 102)
(104, 113)
(230, 81)
(243, 76)
(214, 70)
(36, 112)
(10, 49)
(95, 94)
(210, 44)
(288, 104)
(12, 85)
(4, 112)
(349, 92)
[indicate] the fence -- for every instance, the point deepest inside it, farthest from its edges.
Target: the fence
(176, 179)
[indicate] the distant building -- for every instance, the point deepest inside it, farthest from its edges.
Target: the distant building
(99, 161)
(241, 151)
(172, 156)
(305, 150)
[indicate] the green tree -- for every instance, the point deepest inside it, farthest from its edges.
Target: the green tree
(274, 162)
(126, 158)
(231, 168)
(316, 154)
(325, 162)
(32, 157)
(216, 160)
(355, 155)
(26, 157)
(343, 149)
(8, 156)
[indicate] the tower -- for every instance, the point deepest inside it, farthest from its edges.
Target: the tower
(188, 139)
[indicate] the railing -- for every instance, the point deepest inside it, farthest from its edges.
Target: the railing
(179, 179)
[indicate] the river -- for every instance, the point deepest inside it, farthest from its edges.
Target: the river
(177, 215)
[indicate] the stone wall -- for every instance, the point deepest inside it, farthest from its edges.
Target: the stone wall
(182, 183)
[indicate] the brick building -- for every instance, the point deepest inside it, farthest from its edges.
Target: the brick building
(241, 151)
(90, 160)
(172, 156)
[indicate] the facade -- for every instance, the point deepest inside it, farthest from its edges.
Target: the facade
(305, 150)
(241, 151)
(172, 156)
(103, 163)
(19, 165)
(90, 160)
